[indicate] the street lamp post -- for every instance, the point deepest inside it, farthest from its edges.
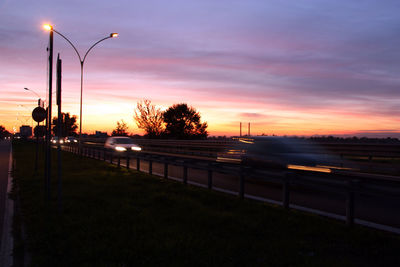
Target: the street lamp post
(82, 62)
(40, 101)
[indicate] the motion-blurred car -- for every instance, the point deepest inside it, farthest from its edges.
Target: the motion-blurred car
(55, 140)
(70, 139)
(271, 152)
(121, 144)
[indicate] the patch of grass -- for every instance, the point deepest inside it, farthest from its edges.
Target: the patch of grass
(115, 217)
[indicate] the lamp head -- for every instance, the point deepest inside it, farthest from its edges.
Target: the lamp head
(48, 27)
(26, 88)
(113, 35)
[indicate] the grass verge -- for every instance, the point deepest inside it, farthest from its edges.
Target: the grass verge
(115, 217)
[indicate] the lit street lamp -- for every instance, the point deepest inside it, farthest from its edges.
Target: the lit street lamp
(82, 61)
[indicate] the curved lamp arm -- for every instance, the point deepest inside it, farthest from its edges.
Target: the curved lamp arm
(79, 56)
(87, 52)
(27, 89)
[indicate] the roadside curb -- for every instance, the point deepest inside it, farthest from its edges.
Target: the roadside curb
(7, 242)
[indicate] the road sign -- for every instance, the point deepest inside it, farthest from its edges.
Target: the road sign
(39, 114)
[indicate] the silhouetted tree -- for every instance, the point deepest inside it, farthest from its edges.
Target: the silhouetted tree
(121, 129)
(3, 132)
(149, 118)
(68, 125)
(183, 122)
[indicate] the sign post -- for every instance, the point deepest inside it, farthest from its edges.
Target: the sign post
(38, 115)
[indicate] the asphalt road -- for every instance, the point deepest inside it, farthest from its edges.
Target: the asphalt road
(4, 163)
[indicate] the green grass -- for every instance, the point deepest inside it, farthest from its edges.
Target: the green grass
(115, 217)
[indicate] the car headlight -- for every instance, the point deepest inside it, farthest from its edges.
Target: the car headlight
(61, 141)
(120, 148)
(136, 148)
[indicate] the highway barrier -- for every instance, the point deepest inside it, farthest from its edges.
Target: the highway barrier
(347, 184)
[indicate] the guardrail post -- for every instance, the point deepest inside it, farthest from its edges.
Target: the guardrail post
(127, 160)
(166, 170)
(111, 157)
(350, 203)
(119, 161)
(286, 190)
(150, 167)
(241, 183)
(185, 174)
(209, 179)
(137, 163)
(104, 154)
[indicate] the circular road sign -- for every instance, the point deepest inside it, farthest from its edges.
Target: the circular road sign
(39, 114)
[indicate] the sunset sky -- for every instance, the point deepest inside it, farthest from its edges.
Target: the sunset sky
(299, 67)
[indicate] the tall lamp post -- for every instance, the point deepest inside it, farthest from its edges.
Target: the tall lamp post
(82, 62)
(40, 101)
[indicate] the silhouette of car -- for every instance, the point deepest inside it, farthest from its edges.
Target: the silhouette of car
(70, 139)
(272, 152)
(121, 144)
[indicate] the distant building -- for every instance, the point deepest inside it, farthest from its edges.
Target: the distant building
(25, 131)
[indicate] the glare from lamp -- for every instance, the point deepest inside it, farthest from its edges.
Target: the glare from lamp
(47, 27)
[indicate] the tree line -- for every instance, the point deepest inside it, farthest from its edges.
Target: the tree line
(3, 132)
(179, 121)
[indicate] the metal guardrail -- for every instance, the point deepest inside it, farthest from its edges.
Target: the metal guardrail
(347, 184)
(212, 147)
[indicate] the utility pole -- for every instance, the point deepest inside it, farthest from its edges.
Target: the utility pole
(240, 129)
(248, 130)
(48, 135)
(59, 131)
